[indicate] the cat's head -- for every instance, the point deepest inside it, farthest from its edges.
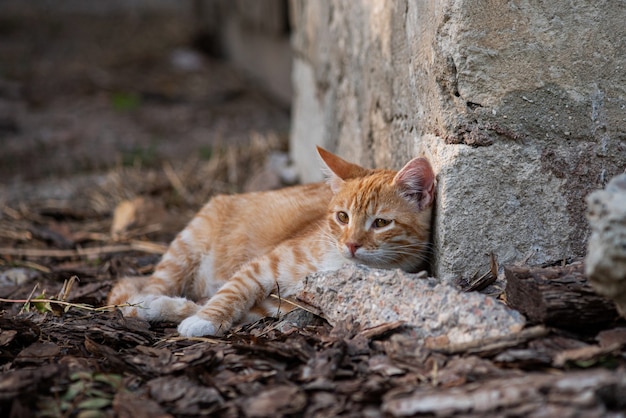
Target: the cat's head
(381, 218)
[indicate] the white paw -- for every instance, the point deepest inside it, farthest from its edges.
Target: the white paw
(138, 304)
(147, 307)
(194, 326)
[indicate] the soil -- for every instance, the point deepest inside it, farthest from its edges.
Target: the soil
(95, 111)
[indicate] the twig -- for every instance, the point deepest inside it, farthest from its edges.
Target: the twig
(30, 296)
(84, 306)
(148, 247)
(199, 339)
(67, 288)
(381, 329)
(300, 304)
(486, 279)
(176, 182)
(12, 213)
(28, 264)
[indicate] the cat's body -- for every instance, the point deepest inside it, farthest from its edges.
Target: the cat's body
(239, 249)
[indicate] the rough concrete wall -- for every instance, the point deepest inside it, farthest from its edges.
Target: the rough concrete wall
(520, 105)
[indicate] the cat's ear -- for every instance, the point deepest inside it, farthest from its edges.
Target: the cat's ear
(337, 170)
(416, 182)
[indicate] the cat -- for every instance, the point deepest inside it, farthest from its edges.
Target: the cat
(221, 269)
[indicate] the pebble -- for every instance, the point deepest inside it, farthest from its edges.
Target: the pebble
(17, 276)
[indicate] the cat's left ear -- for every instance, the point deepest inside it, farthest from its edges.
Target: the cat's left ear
(337, 170)
(416, 182)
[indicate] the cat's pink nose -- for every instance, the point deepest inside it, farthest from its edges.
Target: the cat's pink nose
(353, 247)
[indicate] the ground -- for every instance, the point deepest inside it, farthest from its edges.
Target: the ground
(96, 111)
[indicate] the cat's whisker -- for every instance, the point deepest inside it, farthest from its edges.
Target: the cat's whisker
(327, 238)
(387, 258)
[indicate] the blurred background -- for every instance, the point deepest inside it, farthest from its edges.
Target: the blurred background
(186, 89)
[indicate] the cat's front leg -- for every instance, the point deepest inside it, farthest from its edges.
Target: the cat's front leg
(219, 314)
(280, 269)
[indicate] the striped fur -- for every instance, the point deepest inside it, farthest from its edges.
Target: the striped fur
(221, 269)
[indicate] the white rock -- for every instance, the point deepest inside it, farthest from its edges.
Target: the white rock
(186, 60)
(429, 307)
(17, 276)
(605, 263)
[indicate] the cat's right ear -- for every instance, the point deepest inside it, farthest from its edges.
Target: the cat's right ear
(337, 170)
(416, 182)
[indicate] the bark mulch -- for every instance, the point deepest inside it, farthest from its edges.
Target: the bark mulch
(62, 354)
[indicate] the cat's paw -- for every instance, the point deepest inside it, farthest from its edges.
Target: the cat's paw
(194, 326)
(146, 307)
(161, 308)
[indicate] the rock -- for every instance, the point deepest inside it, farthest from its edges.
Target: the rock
(517, 128)
(186, 60)
(429, 307)
(17, 276)
(605, 263)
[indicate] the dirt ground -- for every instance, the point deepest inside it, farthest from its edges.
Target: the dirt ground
(95, 111)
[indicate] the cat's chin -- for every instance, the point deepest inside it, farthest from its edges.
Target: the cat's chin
(385, 266)
(364, 261)
(375, 265)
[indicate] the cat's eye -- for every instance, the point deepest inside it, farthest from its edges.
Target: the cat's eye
(343, 217)
(380, 222)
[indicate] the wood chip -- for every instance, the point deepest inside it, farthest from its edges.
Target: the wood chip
(584, 355)
(491, 345)
(555, 295)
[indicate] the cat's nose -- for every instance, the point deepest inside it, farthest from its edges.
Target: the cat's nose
(352, 246)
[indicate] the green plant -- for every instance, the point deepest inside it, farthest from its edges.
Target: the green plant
(87, 396)
(125, 101)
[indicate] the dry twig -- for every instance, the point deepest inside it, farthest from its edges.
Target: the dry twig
(148, 247)
(300, 304)
(84, 306)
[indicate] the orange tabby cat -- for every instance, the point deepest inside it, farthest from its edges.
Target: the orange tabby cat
(221, 269)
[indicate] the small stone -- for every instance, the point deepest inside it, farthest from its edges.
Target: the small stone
(429, 308)
(17, 276)
(186, 60)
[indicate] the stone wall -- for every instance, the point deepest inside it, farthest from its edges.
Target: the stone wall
(520, 105)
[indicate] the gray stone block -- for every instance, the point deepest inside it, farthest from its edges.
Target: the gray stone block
(519, 107)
